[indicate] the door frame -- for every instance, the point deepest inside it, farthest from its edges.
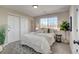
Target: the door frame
(12, 14)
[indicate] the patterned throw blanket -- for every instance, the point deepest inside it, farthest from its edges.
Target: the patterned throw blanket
(16, 48)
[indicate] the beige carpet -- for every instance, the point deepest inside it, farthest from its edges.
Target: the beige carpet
(61, 48)
(16, 48)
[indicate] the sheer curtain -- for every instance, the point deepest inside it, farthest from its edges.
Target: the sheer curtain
(51, 22)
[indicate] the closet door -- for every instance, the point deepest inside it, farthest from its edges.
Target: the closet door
(13, 28)
(24, 26)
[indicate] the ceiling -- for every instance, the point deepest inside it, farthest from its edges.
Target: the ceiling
(41, 10)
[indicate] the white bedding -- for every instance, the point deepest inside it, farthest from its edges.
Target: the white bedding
(40, 42)
(48, 36)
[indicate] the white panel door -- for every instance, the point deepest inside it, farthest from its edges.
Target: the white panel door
(24, 24)
(13, 28)
(78, 22)
(76, 33)
(77, 49)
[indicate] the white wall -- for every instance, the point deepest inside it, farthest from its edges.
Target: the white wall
(3, 17)
(71, 35)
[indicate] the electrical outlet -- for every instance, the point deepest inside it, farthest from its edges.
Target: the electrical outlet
(76, 50)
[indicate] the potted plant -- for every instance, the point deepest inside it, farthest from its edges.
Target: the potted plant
(2, 36)
(65, 27)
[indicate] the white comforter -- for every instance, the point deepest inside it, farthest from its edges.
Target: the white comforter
(39, 41)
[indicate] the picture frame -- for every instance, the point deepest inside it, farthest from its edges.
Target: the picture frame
(70, 23)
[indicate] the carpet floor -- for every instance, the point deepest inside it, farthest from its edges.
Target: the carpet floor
(16, 48)
(61, 48)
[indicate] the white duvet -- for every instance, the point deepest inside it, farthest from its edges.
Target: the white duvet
(40, 42)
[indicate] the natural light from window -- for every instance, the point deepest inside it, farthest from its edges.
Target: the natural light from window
(51, 22)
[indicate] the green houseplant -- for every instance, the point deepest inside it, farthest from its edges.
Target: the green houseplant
(64, 26)
(2, 35)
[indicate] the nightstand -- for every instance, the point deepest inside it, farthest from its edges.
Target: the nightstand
(58, 37)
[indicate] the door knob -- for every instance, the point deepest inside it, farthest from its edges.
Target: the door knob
(76, 42)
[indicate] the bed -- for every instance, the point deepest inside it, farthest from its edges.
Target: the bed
(40, 42)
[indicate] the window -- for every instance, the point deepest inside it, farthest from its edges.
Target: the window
(48, 22)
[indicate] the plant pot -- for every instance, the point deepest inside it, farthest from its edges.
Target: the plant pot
(66, 38)
(1, 48)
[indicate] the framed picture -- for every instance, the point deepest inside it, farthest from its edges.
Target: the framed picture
(70, 23)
